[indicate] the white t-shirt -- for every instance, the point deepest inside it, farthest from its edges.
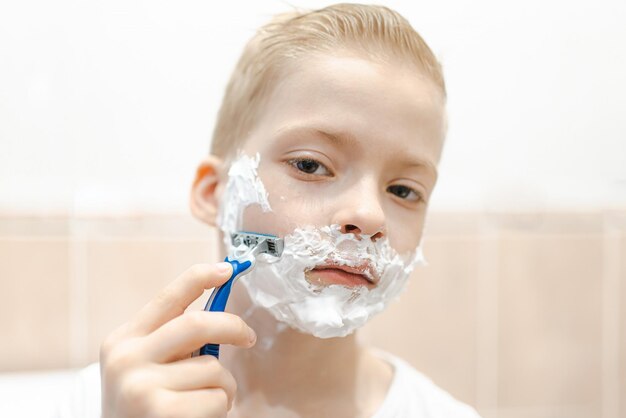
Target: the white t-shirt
(411, 394)
(414, 395)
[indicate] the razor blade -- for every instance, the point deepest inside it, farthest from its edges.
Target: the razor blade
(258, 243)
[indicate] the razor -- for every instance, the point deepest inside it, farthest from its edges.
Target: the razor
(253, 245)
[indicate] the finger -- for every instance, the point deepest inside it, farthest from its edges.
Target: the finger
(178, 295)
(186, 333)
(202, 403)
(197, 373)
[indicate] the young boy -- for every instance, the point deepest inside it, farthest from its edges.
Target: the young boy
(329, 137)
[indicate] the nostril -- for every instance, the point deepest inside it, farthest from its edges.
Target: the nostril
(377, 236)
(351, 229)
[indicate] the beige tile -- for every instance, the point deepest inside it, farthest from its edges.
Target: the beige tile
(453, 224)
(432, 325)
(140, 226)
(124, 274)
(622, 313)
(545, 223)
(33, 227)
(611, 296)
(34, 303)
(550, 317)
(564, 411)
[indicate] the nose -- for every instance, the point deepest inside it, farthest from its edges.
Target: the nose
(361, 213)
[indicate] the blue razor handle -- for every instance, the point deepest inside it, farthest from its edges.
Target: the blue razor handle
(219, 298)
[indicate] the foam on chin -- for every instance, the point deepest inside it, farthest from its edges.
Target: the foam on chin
(280, 286)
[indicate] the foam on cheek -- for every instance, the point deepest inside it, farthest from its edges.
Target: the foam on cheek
(280, 285)
(244, 188)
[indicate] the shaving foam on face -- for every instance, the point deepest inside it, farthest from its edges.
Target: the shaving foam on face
(280, 285)
(244, 188)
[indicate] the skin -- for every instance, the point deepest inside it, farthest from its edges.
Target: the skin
(343, 140)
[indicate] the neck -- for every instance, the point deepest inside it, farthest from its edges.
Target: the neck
(312, 371)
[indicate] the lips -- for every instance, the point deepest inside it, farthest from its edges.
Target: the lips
(349, 276)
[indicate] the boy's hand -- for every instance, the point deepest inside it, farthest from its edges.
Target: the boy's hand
(146, 366)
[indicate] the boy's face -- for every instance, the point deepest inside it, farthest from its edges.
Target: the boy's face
(344, 140)
(348, 154)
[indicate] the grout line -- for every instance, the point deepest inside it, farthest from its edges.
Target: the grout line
(610, 321)
(487, 320)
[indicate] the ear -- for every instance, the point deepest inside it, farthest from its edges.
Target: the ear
(206, 190)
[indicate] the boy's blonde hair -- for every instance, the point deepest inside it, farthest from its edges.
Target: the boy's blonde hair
(375, 31)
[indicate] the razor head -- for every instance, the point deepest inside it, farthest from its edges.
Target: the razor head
(259, 243)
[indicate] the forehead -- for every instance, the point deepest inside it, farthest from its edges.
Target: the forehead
(387, 105)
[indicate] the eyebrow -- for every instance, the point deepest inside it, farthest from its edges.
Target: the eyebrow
(338, 138)
(414, 161)
(346, 139)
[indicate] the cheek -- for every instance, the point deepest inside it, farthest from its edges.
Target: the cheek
(293, 204)
(290, 210)
(405, 235)
(255, 220)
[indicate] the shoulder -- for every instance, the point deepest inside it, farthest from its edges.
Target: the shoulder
(413, 394)
(83, 398)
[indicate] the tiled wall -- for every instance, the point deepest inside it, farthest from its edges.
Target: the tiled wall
(520, 315)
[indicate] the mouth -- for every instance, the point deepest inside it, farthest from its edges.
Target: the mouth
(342, 275)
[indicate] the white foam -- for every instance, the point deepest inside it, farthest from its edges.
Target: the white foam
(244, 188)
(280, 285)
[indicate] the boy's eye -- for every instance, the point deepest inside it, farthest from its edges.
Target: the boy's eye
(404, 192)
(310, 166)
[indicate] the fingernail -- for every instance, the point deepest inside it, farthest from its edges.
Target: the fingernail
(223, 267)
(251, 336)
